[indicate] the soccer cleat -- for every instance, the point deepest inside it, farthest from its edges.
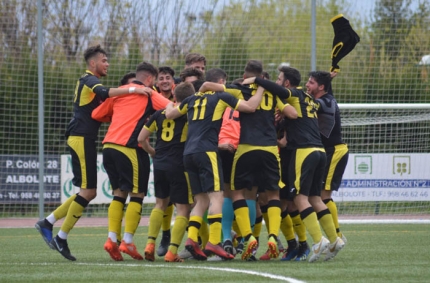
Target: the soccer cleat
(252, 258)
(334, 248)
(248, 247)
(228, 247)
(62, 247)
(195, 250)
(239, 247)
(218, 250)
(45, 231)
(164, 245)
(112, 249)
(290, 254)
(171, 257)
(303, 252)
(184, 254)
(318, 248)
(273, 247)
(265, 256)
(130, 249)
(149, 252)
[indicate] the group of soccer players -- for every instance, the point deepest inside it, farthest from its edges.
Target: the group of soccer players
(278, 159)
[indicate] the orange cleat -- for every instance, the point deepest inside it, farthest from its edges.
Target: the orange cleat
(171, 257)
(112, 249)
(195, 250)
(218, 250)
(149, 252)
(130, 249)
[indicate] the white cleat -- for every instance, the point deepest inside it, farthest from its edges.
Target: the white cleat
(334, 248)
(318, 248)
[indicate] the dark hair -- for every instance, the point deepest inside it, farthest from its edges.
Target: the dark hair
(147, 67)
(190, 72)
(265, 75)
(183, 90)
(191, 58)
(215, 74)
(166, 70)
(253, 68)
(126, 77)
(197, 84)
(93, 51)
(291, 74)
(322, 78)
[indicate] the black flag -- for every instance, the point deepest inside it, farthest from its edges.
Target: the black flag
(345, 39)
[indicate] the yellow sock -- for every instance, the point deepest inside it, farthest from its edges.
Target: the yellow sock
(299, 226)
(193, 227)
(215, 228)
(331, 205)
(204, 233)
(75, 211)
(155, 220)
(257, 227)
(133, 214)
(287, 228)
(178, 231)
(115, 214)
(265, 216)
(326, 222)
(274, 214)
(241, 212)
(61, 211)
(310, 219)
(167, 217)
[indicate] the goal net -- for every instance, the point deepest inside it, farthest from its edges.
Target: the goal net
(387, 174)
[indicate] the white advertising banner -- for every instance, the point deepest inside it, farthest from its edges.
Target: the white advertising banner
(386, 177)
(104, 190)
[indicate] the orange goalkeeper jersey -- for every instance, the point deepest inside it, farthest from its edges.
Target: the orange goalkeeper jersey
(128, 114)
(230, 128)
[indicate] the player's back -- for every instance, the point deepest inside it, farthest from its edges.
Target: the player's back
(329, 120)
(204, 113)
(303, 131)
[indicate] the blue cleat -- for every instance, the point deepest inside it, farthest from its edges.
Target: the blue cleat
(45, 231)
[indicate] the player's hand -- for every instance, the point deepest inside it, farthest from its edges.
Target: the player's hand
(333, 75)
(282, 143)
(248, 81)
(226, 146)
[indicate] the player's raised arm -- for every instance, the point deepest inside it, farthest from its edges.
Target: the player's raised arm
(172, 112)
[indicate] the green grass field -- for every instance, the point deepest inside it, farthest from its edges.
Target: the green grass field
(374, 253)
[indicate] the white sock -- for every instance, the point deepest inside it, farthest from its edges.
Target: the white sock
(112, 236)
(62, 235)
(51, 218)
(128, 238)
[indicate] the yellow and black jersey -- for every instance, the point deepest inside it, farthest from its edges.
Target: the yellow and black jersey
(303, 131)
(89, 94)
(329, 120)
(204, 113)
(257, 128)
(170, 143)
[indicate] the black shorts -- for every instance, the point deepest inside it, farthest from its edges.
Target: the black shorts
(227, 163)
(127, 168)
(306, 171)
(256, 165)
(285, 154)
(204, 172)
(172, 184)
(337, 159)
(83, 153)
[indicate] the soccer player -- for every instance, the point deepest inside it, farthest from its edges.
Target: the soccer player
(126, 163)
(256, 160)
(81, 136)
(165, 82)
(191, 74)
(319, 86)
(128, 78)
(201, 160)
(169, 174)
(307, 162)
(196, 61)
